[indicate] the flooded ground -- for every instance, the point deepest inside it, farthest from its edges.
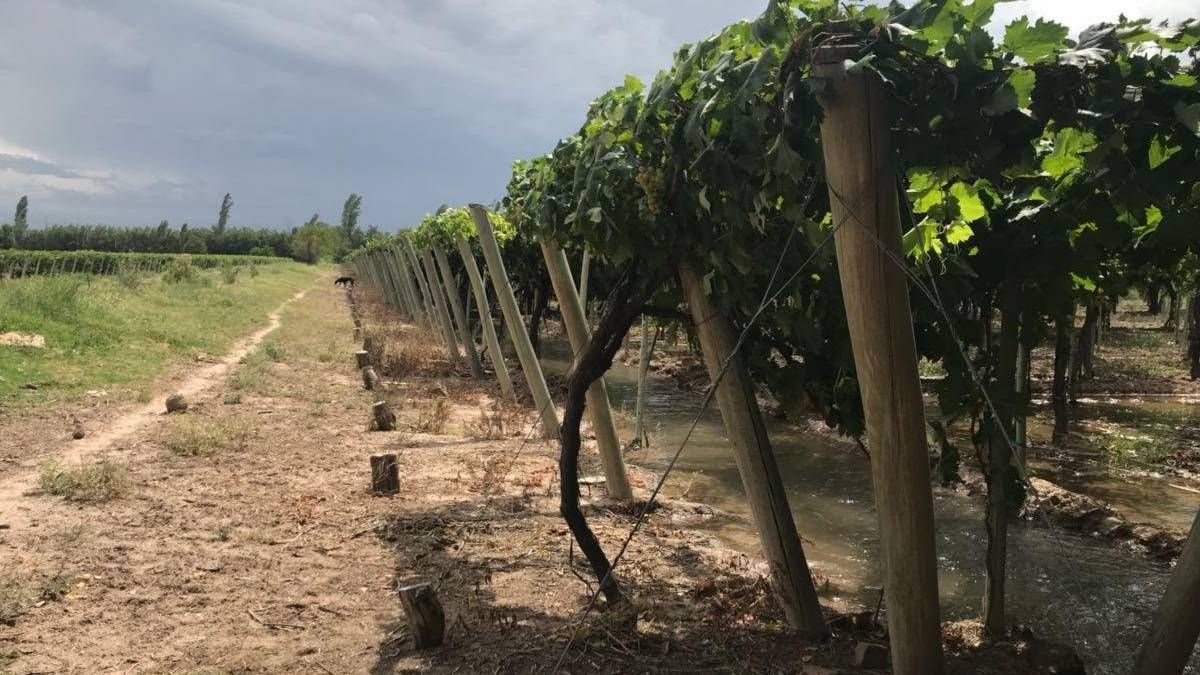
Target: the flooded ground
(1082, 590)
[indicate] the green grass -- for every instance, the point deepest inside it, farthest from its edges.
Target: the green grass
(203, 437)
(92, 481)
(103, 334)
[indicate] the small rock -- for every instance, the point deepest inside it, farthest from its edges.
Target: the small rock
(870, 656)
(77, 431)
(176, 403)
(209, 566)
(32, 386)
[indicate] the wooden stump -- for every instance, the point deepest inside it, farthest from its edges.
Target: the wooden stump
(368, 344)
(176, 403)
(426, 619)
(77, 431)
(382, 417)
(370, 378)
(385, 475)
(362, 359)
(357, 333)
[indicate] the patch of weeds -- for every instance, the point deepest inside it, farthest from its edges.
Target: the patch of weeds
(229, 273)
(490, 425)
(55, 588)
(13, 599)
(274, 351)
(250, 375)
(70, 535)
(223, 533)
(432, 417)
(1128, 451)
(232, 398)
(143, 396)
(96, 481)
(180, 269)
(199, 437)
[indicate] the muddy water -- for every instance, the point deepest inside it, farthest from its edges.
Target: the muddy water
(1070, 587)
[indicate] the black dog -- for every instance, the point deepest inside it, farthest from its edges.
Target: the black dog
(344, 281)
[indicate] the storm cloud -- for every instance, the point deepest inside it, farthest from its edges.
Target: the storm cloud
(129, 112)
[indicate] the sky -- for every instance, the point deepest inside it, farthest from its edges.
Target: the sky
(129, 112)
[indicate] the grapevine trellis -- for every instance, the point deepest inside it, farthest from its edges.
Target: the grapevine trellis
(1035, 176)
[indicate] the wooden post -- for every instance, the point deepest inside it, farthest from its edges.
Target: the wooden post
(514, 323)
(362, 359)
(385, 474)
(423, 284)
(862, 190)
(644, 355)
(584, 271)
(396, 261)
(426, 618)
(607, 442)
(438, 298)
(406, 261)
(382, 417)
(1172, 637)
(460, 316)
(370, 379)
(485, 317)
(755, 461)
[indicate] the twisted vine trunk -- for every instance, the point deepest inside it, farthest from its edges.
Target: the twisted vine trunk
(1062, 360)
(595, 357)
(1000, 458)
(1081, 359)
(1194, 335)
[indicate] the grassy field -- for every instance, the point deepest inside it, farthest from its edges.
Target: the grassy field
(116, 334)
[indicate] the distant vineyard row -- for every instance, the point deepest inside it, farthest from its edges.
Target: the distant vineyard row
(20, 263)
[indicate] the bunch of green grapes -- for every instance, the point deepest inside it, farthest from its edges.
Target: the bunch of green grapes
(651, 182)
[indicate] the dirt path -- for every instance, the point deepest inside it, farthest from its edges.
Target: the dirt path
(106, 440)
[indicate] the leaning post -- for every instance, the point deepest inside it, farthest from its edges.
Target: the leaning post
(598, 405)
(862, 192)
(485, 318)
(516, 325)
(460, 316)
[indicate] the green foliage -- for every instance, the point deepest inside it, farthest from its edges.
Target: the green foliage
(159, 239)
(92, 481)
(22, 263)
(313, 240)
(180, 269)
(20, 222)
(223, 215)
(229, 273)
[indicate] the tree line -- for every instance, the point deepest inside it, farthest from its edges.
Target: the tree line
(313, 241)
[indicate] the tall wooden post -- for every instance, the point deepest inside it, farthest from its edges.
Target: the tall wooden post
(485, 317)
(755, 460)
(1172, 637)
(514, 323)
(438, 296)
(598, 406)
(644, 356)
(423, 285)
(460, 316)
(392, 260)
(862, 190)
(584, 271)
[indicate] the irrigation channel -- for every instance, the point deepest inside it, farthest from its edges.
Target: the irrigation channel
(1079, 589)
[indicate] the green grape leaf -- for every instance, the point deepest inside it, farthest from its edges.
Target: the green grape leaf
(970, 206)
(1188, 116)
(1161, 150)
(958, 232)
(1034, 42)
(1070, 145)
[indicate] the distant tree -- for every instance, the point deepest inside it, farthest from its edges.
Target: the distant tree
(313, 240)
(350, 211)
(20, 221)
(223, 218)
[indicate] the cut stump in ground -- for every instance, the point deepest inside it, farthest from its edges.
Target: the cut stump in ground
(426, 619)
(362, 359)
(176, 403)
(385, 474)
(382, 417)
(370, 378)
